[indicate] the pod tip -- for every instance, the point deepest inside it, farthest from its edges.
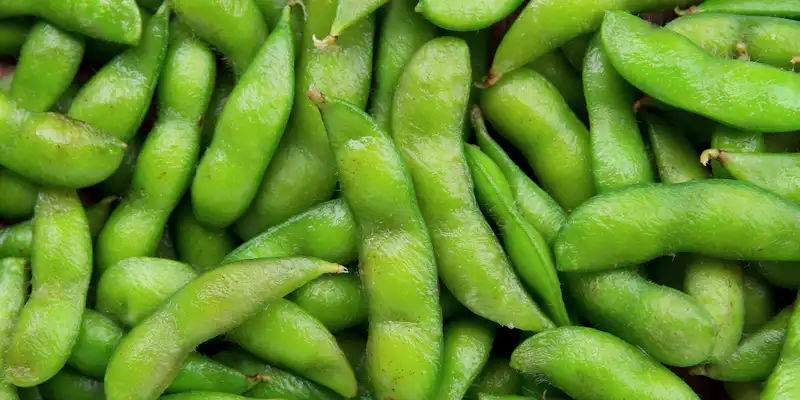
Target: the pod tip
(698, 370)
(690, 10)
(341, 269)
(258, 378)
(317, 97)
(329, 43)
(708, 155)
(491, 80)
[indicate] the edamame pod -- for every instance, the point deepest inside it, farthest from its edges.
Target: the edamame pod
(13, 289)
(759, 302)
(168, 156)
(236, 27)
(597, 235)
(528, 111)
(61, 262)
(196, 245)
(117, 97)
(67, 384)
(120, 181)
(675, 156)
(776, 172)
(347, 14)
(535, 205)
(247, 132)
(302, 172)
(354, 345)
(428, 132)
(117, 21)
(496, 378)
(401, 33)
(782, 382)
(780, 274)
(19, 195)
(397, 263)
(672, 69)
(204, 396)
(13, 32)
(466, 15)
(525, 246)
(337, 301)
(467, 343)
(575, 50)
(581, 361)
(729, 139)
(555, 67)
(149, 357)
(774, 8)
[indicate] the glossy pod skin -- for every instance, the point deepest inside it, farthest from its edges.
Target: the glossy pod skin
(778, 172)
(247, 132)
(724, 137)
(47, 65)
(397, 263)
(19, 195)
(236, 28)
(782, 382)
(168, 156)
(201, 247)
(118, 21)
(302, 173)
(675, 156)
(671, 68)
(61, 267)
(427, 126)
(468, 15)
(13, 288)
(337, 301)
(556, 68)
(774, 8)
(534, 33)
(528, 111)
(467, 343)
(347, 14)
(496, 377)
(780, 274)
(13, 32)
(69, 384)
(581, 361)
(596, 235)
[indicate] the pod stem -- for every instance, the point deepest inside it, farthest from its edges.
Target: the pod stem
(316, 97)
(690, 10)
(258, 378)
(491, 80)
(698, 370)
(741, 50)
(643, 102)
(708, 155)
(329, 43)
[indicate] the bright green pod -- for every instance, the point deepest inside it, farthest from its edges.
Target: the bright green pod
(780, 274)
(756, 356)
(120, 181)
(236, 27)
(530, 112)
(730, 139)
(782, 382)
(555, 67)
(575, 50)
(302, 171)
(118, 96)
(618, 155)
(401, 33)
(168, 156)
(19, 195)
(534, 389)
(676, 158)
(61, 262)
(776, 172)
(526, 247)
(467, 343)
(348, 13)
(118, 21)
(582, 361)
(68, 384)
(13, 290)
(535, 205)
(247, 132)
(149, 357)
(496, 378)
(274, 335)
(672, 69)
(200, 373)
(466, 15)
(759, 302)
(774, 8)
(337, 301)
(749, 223)
(201, 247)
(13, 32)
(743, 390)
(428, 131)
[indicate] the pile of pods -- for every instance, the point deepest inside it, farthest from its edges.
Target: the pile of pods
(220, 200)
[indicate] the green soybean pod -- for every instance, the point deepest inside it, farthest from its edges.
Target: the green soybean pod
(149, 357)
(535, 205)
(618, 155)
(528, 111)
(61, 267)
(774, 8)
(730, 139)
(13, 32)
(467, 343)
(236, 28)
(337, 301)
(347, 14)
(402, 32)
(117, 97)
(759, 302)
(575, 50)
(19, 195)
(96, 341)
(120, 181)
(428, 131)
(743, 390)
(756, 356)
(468, 15)
(582, 361)
(780, 274)
(782, 382)
(68, 384)
(776, 172)
(302, 171)
(13, 289)
(247, 132)
(496, 378)
(675, 156)
(201, 247)
(168, 156)
(354, 345)
(200, 373)
(204, 396)
(526, 247)
(556, 69)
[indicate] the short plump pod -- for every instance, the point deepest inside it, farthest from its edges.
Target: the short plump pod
(676, 158)
(756, 356)
(588, 364)
(401, 33)
(776, 172)
(730, 139)
(767, 40)
(773, 8)
(496, 377)
(467, 343)
(556, 68)
(149, 357)
(51, 149)
(427, 125)
(13, 32)
(782, 382)
(337, 301)
(780, 274)
(13, 289)
(117, 97)
(168, 156)
(236, 27)
(302, 173)
(535, 33)
(749, 223)
(201, 247)
(247, 132)
(397, 263)
(19, 195)
(526, 247)
(47, 65)
(69, 384)
(535, 205)
(61, 266)
(671, 68)
(759, 302)
(347, 14)
(466, 15)
(530, 112)
(117, 21)
(669, 325)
